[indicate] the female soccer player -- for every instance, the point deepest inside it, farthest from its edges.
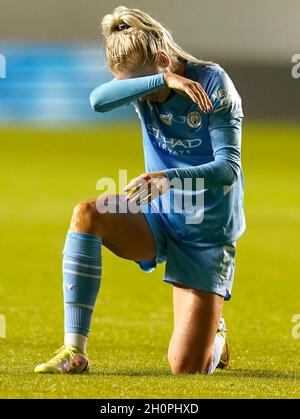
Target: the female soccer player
(189, 200)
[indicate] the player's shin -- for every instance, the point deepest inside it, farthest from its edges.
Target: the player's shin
(81, 283)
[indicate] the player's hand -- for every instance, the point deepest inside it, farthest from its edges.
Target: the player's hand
(190, 88)
(146, 187)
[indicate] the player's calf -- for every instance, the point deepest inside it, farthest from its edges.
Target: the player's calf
(82, 266)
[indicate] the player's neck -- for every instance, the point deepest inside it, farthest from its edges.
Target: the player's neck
(179, 66)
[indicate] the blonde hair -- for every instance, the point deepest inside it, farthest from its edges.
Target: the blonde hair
(129, 31)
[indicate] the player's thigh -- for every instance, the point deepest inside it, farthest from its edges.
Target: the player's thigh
(126, 234)
(196, 319)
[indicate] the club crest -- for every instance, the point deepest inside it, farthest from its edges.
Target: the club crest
(194, 119)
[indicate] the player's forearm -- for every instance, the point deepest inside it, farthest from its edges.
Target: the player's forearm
(116, 93)
(216, 173)
(225, 169)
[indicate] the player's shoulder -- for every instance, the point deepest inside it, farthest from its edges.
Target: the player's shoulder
(201, 68)
(209, 73)
(219, 87)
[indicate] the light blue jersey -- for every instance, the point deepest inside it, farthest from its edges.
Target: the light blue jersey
(186, 143)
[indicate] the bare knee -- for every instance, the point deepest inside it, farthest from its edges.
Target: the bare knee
(187, 365)
(84, 217)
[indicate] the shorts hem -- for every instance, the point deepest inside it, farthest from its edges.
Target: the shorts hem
(224, 293)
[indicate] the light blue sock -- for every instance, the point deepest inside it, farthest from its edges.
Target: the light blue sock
(81, 281)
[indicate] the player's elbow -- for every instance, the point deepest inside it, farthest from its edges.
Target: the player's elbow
(231, 173)
(94, 101)
(230, 179)
(97, 102)
(235, 173)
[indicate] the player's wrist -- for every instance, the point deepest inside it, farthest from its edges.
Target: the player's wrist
(166, 77)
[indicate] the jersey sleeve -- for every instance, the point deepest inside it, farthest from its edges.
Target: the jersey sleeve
(117, 93)
(225, 123)
(225, 99)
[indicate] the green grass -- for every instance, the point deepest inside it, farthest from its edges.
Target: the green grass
(42, 176)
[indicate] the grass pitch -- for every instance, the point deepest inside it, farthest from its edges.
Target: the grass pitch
(44, 174)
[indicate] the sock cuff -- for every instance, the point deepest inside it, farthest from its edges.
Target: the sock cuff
(77, 320)
(82, 245)
(84, 236)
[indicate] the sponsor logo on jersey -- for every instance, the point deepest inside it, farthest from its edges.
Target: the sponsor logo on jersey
(194, 119)
(222, 99)
(175, 146)
(166, 118)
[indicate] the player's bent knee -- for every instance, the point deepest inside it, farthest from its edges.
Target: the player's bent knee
(84, 209)
(181, 366)
(84, 215)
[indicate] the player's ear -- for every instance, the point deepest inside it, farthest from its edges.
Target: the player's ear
(163, 59)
